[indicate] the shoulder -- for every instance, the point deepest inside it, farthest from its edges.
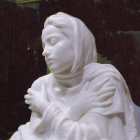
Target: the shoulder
(101, 72)
(109, 71)
(41, 80)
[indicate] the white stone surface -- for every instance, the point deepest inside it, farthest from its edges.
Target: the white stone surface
(80, 99)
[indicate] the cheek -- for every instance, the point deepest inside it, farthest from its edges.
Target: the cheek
(63, 53)
(67, 57)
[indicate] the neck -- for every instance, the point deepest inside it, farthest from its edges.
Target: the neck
(68, 80)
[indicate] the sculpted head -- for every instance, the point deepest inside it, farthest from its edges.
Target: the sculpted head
(68, 44)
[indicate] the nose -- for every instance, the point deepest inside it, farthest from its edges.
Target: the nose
(46, 52)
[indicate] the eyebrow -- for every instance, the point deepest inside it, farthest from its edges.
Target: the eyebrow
(49, 36)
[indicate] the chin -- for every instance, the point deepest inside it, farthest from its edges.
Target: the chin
(59, 69)
(55, 70)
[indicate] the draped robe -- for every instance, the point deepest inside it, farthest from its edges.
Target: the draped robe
(62, 121)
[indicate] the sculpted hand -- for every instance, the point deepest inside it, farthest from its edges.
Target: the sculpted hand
(35, 101)
(98, 96)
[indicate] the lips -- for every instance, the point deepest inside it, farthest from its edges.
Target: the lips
(49, 61)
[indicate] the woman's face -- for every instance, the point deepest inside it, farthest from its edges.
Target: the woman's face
(58, 51)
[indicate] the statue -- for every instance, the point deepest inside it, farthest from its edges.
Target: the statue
(80, 99)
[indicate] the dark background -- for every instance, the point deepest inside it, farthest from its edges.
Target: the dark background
(114, 23)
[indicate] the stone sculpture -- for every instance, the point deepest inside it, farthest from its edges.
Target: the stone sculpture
(80, 99)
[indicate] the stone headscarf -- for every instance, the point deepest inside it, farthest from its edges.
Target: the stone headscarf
(83, 41)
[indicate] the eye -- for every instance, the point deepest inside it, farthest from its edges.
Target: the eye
(53, 40)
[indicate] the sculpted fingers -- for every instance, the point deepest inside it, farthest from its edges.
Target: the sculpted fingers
(103, 104)
(30, 91)
(105, 97)
(109, 89)
(105, 90)
(27, 97)
(99, 85)
(28, 102)
(32, 108)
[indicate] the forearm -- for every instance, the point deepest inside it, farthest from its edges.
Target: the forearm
(75, 112)
(54, 121)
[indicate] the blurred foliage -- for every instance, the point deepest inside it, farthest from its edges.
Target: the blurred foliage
(103, 60)
(26, 1)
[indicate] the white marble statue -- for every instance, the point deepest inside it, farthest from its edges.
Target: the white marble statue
(80, 99)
